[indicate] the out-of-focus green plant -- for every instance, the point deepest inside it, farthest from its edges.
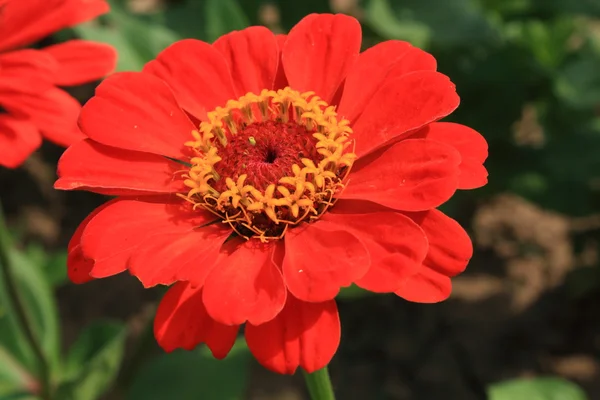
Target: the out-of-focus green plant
(32, 365)
(185, 375)
(139, 38)
(536, 389)
(51, 263)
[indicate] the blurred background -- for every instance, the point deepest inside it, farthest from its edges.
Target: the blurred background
(523, 321)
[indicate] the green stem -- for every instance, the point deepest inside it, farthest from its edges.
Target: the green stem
(319, 385)
(21, 314)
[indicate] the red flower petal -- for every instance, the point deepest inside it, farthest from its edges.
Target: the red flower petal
(450, 249)
(378, 64)
(78, 267)
(136, 111)
(164, 258)
(320, 258)
(89, 165)
(182, 322)
(24, 22)
(412, 175)
(344, 206)
(18, 139)
(245, 284)
(396, 245)
(28, 71)
(280, 78)
(197, 73)
(82, 61)
(403, 105)
(319, 52)
(252, 56)
(53, 111)
(471, 145)
(427, 286)
(303, 335)
(115, 233)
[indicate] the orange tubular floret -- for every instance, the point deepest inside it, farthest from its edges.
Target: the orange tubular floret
(303, 195)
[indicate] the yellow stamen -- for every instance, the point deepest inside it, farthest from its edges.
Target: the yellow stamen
(302, 196)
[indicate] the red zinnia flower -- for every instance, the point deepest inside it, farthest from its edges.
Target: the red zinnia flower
(31, 104)
(262, 173)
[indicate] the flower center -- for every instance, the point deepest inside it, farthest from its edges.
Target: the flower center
(267, 162)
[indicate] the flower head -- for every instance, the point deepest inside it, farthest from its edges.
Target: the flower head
(31, 104)
(262, 173)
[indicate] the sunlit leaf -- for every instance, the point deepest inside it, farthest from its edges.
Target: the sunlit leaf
(536, 389)
(137, 40)
(382, 19)
(14, 379)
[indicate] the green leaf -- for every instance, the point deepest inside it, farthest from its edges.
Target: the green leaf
(507, 6)
(291, 12)
(137, 39)
(578, 84)
(185, 19)
(93, 362)
(381, 18)
(40, 307)
(352, 292)
(18, 396)
(14, 379)
(439, 22)
(547, 41)
(536, 389)
(193, 375)
(586, 7)
(55, 268)
(53, 265)
(223, 16)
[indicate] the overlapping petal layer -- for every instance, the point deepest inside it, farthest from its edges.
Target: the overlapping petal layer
(197, 73)
(18, 139)
(29, 77)
(89, 165)
(470, 144)
(253, 58)
(450, 249)
(182, 322)
(144, 115)
(396, 245)
(303, 335)
(121, 229)
(245, 284)
(320, 259)
(411, 175)
(319, 52)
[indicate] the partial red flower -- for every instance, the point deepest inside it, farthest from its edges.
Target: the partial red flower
(262, 173)
(32, 105)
